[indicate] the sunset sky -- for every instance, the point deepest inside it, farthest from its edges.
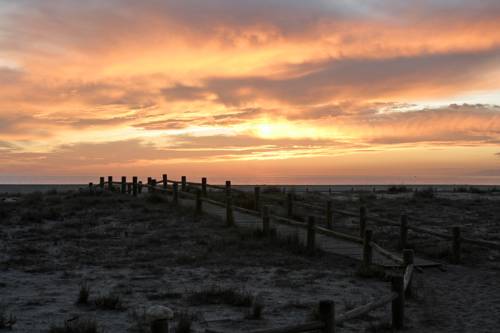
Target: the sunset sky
(285, 91)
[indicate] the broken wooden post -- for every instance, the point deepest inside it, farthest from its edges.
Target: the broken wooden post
(183, 183)
(101, 183)
(289, 204)
(455, 246)
(199, 207)
(175, 195)
(165, 181)
(229, 211)
(124, 185)
(367, 249)
(256, 197)
(204, 186)
(327, 316)
(403, 232)
(266, 228)
(110, 183)
(398, 304)
(329, 214)
(311, 235)
(362, 221)
(408, 259)
(134, 186)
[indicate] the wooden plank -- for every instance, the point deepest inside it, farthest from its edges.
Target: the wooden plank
(364, 309)
(407, 276)
(386, 253)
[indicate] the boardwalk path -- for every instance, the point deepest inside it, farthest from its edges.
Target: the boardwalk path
(326, 243)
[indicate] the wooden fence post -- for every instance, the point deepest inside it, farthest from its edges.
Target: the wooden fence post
(228, 187)
(183, 183)
(91, 188)
(362, 221)
(139, 187)
(204, 186)
(199, 203)
(329, 214)
(311, 235)
(165, 181)
(134, 186)
(398, 304)
(110, 183)
(403, 232)
(129, 188)
(327, 316)
(101, 183)
(408, 259)
(175, 198)
(124, 185)
(149, 181)
(266, 229)
(256, 195)
(455, 247)
(289, 204)
(229, 211)
(367, 249)
(153, 185)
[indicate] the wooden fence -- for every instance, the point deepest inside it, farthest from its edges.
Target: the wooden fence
(400, 284)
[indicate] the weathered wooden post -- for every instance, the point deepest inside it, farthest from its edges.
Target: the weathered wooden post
(165, 181)
(153, 185)
(124, 185)
(289, 204)
(228, 187)
(183, 183)
(149, 181)
(403, 232)
(101, 183)
(398, 304)
(204, 186)
(129, 188)
(367, 249)
(175, 195)
(456, 246)
(408, 259)
(229, 210)
(110, 183)
(199, 202)
(362, 221)
(266, 228)
(311, 235)
(327, 316)
(134, 186)
(91, 188)
(256, 196)
(329, 214)
(139, 187)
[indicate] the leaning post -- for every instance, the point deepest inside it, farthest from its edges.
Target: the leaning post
(311, 235)
(408, 259)
(327, 316)
(367, 249)
(398, 304)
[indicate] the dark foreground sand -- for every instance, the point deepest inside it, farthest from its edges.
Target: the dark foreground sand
(134, 253)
